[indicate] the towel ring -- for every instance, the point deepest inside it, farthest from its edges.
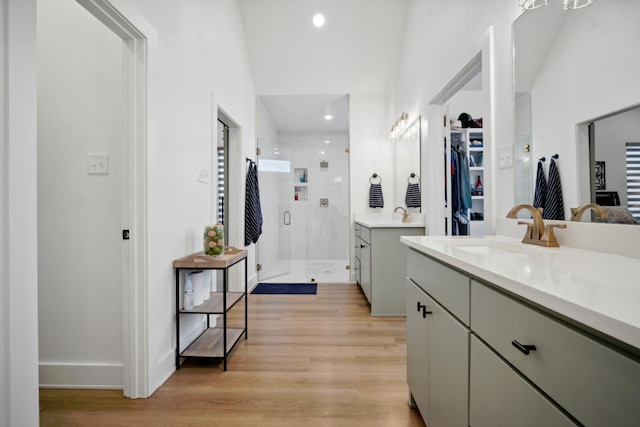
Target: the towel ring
(413, 175)
(374, 176)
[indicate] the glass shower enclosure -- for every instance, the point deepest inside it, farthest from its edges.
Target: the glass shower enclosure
(304, 194)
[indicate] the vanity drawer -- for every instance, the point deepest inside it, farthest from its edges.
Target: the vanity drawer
(365, 234)
(445, 285)
(596, 384)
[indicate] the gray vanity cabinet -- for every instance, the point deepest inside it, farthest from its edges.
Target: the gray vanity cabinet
(382, 259)
(499, 397)
(508, 362)
(437, 344)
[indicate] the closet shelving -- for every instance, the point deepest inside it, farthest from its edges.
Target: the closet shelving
(475, 153)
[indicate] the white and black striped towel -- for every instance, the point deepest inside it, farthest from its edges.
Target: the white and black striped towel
(412, 199)
(554, 206)
(375, 196)
(252, 209)
(540, 198)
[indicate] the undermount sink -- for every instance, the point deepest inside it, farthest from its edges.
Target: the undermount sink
(488, 245)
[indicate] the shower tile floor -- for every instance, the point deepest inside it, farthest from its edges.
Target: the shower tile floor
(303, 271)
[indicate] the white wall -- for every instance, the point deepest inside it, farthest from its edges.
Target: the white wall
(80, 217)
(199, 54)
(570, 90)
(18, 289)
(433, 54)
(466, 101)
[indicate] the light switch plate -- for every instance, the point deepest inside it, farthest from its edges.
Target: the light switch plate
(98, 164)
(203, 175)
(505, 156)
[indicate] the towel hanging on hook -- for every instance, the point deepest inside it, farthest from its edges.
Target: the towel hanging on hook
(413, 196)
(540, 197)
(375, 192)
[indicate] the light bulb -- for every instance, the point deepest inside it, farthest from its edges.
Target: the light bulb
(318, 20)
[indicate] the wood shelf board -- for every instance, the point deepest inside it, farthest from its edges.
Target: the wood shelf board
(199, 260)
(210, 343)
(214, 304)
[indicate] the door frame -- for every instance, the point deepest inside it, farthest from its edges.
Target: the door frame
(482, 61)
(134, 210)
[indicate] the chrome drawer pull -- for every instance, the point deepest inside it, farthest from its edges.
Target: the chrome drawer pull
(525, 348)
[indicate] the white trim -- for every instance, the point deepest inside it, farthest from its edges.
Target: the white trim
(135, 375)
(80, 375)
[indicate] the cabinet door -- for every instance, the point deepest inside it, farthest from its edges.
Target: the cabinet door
(448, 369)
(417, 346)
(365, 269)
(499, 397)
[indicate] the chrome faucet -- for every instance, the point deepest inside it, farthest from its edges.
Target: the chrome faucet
(405, 214)
(576, 213)
(537, 232)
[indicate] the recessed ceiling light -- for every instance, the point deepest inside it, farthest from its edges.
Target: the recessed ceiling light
(327, 142)
(318, 20)
(328, 117)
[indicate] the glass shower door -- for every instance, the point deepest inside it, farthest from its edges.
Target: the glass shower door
(274, 245)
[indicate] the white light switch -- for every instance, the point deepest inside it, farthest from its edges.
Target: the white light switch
(98, 164)
(203, 175)
(505, 156)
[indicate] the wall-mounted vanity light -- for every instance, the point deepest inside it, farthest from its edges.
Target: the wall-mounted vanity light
(566, 4)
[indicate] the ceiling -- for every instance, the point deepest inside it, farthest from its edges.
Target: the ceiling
(293, 62)
(305, 113)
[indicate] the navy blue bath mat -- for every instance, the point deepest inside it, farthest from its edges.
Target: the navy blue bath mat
(286, 288)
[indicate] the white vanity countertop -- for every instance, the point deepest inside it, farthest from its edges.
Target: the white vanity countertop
(386, 220)
(381, 223)
(599, 290)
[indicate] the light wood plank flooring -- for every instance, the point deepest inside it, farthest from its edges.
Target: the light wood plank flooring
(310, 360)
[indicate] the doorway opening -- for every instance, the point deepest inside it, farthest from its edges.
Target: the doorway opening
(303, 170)
(476, 139)
(91, 198)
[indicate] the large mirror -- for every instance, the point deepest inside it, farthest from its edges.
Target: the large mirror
(573, 68)
(408, 183)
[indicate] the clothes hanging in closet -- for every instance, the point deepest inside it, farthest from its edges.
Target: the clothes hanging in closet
(460, 192)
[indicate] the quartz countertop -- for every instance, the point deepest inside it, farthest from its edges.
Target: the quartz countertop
(598, 290)
(388, 223)
(387, 220)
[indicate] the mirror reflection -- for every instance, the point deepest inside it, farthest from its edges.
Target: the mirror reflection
(407, 167)
(580, 70)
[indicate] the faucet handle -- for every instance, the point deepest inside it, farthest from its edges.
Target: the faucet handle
(528, 235)
(549, 237)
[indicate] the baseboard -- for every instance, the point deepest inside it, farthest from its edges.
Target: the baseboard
(67, 375)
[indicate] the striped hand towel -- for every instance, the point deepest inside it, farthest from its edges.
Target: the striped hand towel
(554, 206)
(412, 199)
(375, 196)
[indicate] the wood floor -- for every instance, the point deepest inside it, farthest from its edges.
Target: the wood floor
(310, 360)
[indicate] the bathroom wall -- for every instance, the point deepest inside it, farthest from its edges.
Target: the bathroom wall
(587, 84)
(185, 88)
(80, 289)
(433, 54)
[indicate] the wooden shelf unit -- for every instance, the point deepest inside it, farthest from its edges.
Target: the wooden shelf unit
(218, 341)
